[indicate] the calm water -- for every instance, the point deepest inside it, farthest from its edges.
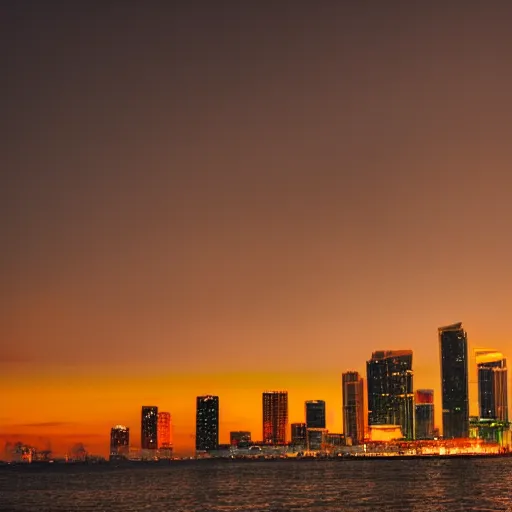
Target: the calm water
(373, 485)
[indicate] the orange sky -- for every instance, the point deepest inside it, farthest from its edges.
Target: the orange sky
(81, 408)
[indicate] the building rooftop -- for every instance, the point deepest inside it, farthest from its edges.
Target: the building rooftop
(453, 327)
(486, 355)
(387, 354)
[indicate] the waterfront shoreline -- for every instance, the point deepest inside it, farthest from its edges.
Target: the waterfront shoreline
(227, 460)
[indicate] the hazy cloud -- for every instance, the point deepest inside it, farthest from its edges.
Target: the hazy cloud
(46, 424)
(81, 435)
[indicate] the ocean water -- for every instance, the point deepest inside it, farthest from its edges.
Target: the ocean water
(262, 486)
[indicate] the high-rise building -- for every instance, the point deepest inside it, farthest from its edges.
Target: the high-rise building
(353, 406)
(164, 430)
(390, 390)
(299, 434)
(240, 438)
(424, 405)
(275, 416)
(453, 346)
(315, 413)
(207, 423)
(492, 384)
(119, 441)
(149, 428)
(501, 393)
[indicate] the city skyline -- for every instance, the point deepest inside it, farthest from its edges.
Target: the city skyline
(225, 199)
(397, 363)
(48, 432)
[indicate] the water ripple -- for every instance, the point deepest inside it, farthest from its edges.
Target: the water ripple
(267, 486)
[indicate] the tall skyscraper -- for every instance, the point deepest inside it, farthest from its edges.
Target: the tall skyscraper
(164, 430)
(275, 416)
(390, 390)
(315, 413)
(424, 414)
(207, 423)
(299, 434)
(353, 406)
(119, 441)
(454, 380)
(149, 428)
(492, 384)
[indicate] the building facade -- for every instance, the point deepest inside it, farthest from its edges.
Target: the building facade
(453, 346)
(119, 441)
(316, 438)
(149, 428)
(240, 438)
(335, 440)
(424, 411)
(207, 423)
(164, 430)
(353, 407)
(315, 413)
(299, 434)
(275, 417)
(390, 390)
(492, 384)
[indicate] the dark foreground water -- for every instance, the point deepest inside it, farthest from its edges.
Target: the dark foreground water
(370, 485)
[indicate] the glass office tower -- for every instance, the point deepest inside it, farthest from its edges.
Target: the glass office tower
(492, 384)
(390, 390)
(149, 428)
(424, 406)
(207, 423)
(453, 346)
(315, 413)
(353, 406)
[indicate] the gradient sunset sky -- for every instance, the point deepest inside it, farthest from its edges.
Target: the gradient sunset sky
(226, 197)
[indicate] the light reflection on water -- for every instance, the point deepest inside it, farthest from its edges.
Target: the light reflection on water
(267, 486)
